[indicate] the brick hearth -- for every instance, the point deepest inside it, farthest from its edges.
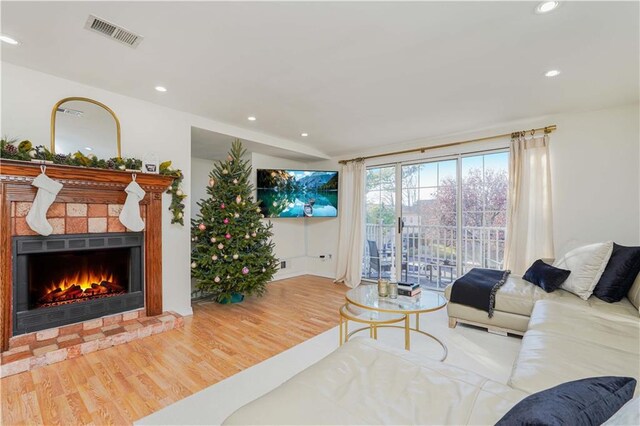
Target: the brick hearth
(46, 347)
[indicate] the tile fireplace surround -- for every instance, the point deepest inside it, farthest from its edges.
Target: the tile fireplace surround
(89, 203)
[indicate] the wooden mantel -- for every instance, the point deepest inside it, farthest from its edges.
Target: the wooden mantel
(81, 185)
(89, 176)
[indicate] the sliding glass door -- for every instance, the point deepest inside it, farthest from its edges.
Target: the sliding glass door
(485, 183)
(450, 217)
(380, 222)
(429, 222)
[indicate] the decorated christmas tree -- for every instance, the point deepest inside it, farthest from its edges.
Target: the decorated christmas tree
(232, 252)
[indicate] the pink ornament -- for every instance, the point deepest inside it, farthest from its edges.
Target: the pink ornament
(202, 227)
(228, 236)
(222, 206)
(226, 220)
(245, 270)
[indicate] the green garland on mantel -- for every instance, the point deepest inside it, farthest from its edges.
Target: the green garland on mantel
(25, 151)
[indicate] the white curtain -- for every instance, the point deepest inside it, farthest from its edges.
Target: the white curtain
(351, 219)
(529, 217)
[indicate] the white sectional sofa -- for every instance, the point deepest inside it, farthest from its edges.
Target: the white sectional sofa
(515, 301)
(365, 382)
(567, 342)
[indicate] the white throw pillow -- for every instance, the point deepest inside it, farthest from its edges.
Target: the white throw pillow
(629, 414)
(586, 264)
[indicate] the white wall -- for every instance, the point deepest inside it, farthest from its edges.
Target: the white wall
(289, 234)
(322, 235)
(200, 169)
(595, 179)
(595, 164)
(27, 99)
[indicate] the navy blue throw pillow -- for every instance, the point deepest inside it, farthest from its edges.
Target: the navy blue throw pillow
(545, 276)
(582, 402)
(619, 275)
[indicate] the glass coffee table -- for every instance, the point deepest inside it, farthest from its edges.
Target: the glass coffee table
(366, 297)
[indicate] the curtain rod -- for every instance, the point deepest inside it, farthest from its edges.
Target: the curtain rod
(547, 130)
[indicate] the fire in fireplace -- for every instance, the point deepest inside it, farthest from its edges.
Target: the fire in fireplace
(62, 279)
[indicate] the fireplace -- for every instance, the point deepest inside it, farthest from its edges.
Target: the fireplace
(61, 278)
(64, 279)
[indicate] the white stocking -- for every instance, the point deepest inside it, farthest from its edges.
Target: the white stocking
(47, 191)
(130, 214)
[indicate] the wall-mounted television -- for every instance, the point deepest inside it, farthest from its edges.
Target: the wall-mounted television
(297, 193)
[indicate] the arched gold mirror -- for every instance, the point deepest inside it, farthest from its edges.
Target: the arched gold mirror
(85, 125)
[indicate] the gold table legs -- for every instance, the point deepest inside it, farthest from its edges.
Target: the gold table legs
(407, 334)
(374, 326)
(372, 323)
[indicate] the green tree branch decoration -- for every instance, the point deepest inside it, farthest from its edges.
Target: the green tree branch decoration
(10, 149)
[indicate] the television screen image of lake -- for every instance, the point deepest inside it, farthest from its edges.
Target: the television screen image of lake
(298, 193)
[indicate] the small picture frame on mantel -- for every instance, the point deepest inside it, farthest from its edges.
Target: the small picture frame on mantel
(150, 163)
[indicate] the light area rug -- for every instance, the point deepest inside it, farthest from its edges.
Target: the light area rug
(472, 348)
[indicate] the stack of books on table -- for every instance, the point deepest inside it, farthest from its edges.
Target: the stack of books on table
(408, 289)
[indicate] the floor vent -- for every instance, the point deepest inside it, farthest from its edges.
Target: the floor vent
(113, 31)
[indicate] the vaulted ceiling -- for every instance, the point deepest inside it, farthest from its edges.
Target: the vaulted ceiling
(352, 75)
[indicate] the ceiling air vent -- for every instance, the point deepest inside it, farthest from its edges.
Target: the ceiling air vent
(113, 31)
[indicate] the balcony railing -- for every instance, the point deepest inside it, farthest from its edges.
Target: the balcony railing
(430, 252)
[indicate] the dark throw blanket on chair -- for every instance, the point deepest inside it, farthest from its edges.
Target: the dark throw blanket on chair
(477, 288)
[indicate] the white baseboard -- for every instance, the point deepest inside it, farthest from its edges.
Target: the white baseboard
(291, 274)
(323, 275)
(294, 274)
(187, 312)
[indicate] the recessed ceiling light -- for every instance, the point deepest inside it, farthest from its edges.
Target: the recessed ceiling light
(88, 148)
(251, 118)
(547, 6)
(551, 73)
(161, 89)
(8, 39)
(304, 135)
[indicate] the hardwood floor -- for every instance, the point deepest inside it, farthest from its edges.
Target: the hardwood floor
(124, 383)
